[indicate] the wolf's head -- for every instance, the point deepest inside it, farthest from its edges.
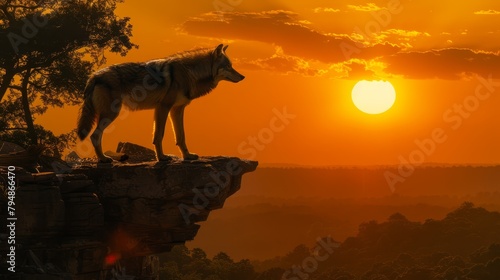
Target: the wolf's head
(222, 67)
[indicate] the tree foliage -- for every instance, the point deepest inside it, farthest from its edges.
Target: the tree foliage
(47, 51)
(185, 264)
(396, 249)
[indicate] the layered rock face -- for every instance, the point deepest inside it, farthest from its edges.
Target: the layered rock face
(109, 220)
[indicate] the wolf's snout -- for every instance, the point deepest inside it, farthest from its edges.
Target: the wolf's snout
(238, 77)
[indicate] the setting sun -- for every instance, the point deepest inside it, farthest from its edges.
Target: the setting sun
(373, 97)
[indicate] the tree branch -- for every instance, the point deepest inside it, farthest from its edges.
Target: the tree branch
(24, 6)
(7, 78)
(26, 108)
(16, 128)
(19, 88)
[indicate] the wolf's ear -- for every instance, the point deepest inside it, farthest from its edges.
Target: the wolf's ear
(225, 48)
(218, 50)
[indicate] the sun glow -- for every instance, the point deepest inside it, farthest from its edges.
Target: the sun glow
(373, 97)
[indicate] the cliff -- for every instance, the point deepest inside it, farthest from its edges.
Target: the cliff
(109, 220)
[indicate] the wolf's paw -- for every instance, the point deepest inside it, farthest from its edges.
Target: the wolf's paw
(191, 156)
(105, 159)
(164, 158)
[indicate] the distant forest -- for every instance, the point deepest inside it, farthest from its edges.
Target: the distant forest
(463, 245)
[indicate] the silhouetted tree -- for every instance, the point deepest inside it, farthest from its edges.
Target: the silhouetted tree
(410, 259)
(493, 267)
(47, 50)
(296, 256)
(198, 254)
(485, 254)
(416, 273)
(271, 274)
(242, 270)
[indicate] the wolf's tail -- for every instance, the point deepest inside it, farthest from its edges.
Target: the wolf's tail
(86, 119)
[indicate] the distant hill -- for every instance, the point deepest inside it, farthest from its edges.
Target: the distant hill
(296, 205)
(464, 244)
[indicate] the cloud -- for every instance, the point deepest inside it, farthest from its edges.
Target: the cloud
(357, 69)
(487, 12)
(284, 29)
(282, 63)
(304, 50)
(369, 7)
(449, 64)
(398, 37)
(325, 10)
(286, 64)
(406, 33)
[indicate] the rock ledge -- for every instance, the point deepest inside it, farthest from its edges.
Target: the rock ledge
(100, 218)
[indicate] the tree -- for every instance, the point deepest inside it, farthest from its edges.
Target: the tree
(296, 256)
(222, 265)
(223, 257)
(198, 254)
(242, 270)
(271, 274)
(47, 50)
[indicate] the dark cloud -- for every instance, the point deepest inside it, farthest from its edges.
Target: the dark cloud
(450, 64)
(300, 44)
(283, 29)
(283, 64)
(358, 71)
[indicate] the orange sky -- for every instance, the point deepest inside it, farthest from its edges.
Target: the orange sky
(306, 57)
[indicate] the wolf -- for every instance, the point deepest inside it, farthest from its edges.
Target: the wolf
(166, 85)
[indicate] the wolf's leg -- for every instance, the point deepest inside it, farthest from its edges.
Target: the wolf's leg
(177, 116)
(161, 114)
(104, 120)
